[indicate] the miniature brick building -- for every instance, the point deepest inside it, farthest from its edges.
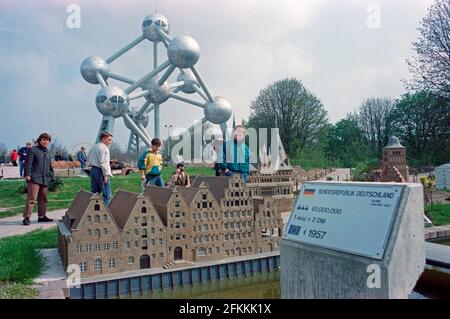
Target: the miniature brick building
(219, 217)
(393, 166)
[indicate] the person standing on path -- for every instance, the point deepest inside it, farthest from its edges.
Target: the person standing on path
(99, 160)
(82, 157)
(14, 157)
(38, 173)
(23, 152)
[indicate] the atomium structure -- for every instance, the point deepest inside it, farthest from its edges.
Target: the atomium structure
(113, 102)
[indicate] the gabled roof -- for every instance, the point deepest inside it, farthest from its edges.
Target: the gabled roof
(162, 212)
(79, 206)
(158, 195)
(187, 193)
(217, 184)
(121, 206)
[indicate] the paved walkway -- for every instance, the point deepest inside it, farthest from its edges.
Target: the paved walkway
(340, 174)
(11, 226)
(9, 171)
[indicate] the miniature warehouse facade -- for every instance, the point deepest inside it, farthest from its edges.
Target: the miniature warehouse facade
(217, 218)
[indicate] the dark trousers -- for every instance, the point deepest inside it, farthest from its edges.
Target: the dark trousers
(154, 180)
(98, 186)
(39, 192)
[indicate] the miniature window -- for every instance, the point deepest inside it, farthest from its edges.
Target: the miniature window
(96, 207)
(225, 226)
(216, 227)
(79, 249)
(97, 264)
(205, 215)
(204, 205)
(177, 214)
(177, 225)
(83, 266)
(244, 250)
(115, 245)
(112, 263)
(227, 253)
(105, 218)
(161, 255)
(177, 237)
(153, 242)
(198, 205)
(89, 232)
(194, 240)
(136, 231)
(226, 236)
(249, 213)
(236, 194)
(183, 225)
(205, 227)
(136, 243)
(202, 251)
(205, 239)
(236, 184)
(130, 259)
(89, 218)
(144, 210)
(152, 219)
(105, 231)
(238, 236)
(160, 241)
(225, 214)
(236, 203)
(177, 204)
(144, 244)
(231, 214)
(244, 235)
(231, 236)
(106, 246)
(144, 233)
(136, 220)
(128, 244)
(144, 221)
(97, 218)
(210, 204)
(182, 214)
(268, 214)
(88, 248)
(97, 246)
(97, 232)
(211, 215)
(204, 196)
(210, 250)
(215, 214)
(249, 249)
(246, 202)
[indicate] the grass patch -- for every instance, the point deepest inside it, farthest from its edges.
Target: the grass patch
(438, 213)
(20, 261)
(10, 195)
(12, 290)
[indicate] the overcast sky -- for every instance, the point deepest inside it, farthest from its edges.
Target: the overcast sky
(245, 45)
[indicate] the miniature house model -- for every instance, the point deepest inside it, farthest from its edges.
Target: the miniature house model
(394, 168)
(219, 217)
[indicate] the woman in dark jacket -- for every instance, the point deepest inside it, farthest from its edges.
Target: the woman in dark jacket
(38, 174)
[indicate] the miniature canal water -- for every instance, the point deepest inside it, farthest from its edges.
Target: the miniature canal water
(258, 286)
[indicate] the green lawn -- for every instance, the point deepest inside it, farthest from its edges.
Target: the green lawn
(438, 213)
(20, 262)
(10, 195)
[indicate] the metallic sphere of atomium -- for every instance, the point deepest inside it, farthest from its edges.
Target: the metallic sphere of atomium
(189, 81)
(91, 65)
(218, 111)
(138, 119)
(183, 51)
(112, 100)
(157, 93)
(151, 24)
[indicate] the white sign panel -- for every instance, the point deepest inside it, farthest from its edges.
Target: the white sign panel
(354, 218)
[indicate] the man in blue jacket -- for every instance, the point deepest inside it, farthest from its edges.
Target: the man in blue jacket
(23, 153)
(82, 157)
(236, 155)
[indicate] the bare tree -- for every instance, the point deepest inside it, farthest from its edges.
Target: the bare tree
(431, 65)
(373, 119)
(288, 105)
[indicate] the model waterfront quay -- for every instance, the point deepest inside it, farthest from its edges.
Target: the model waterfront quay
(218, 217)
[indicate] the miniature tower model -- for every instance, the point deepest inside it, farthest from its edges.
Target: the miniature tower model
(183, 52)
(394, 168)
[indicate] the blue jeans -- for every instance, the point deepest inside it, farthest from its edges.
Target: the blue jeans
(97, 185)
(243, 175)
(21, 167)
(82, 164)
(154, 180)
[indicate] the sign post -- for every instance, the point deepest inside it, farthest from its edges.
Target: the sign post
(353, 240)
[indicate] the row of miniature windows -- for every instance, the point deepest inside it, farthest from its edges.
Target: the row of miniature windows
(237, 236)
(205, 227)
(237, 194)
(136, 243)
(144, 231)
(178, 237)
(144, 219)
(232, 252)
(177, 214)
(97, 264)
(205, 215)
(205, 239)
(97, 232)
(97, 246)
(149, 22)
(236, 214)
(204, 205)
(97, 218)
(242, 202)
(202, 251)
(178, 225)
(237, 225)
